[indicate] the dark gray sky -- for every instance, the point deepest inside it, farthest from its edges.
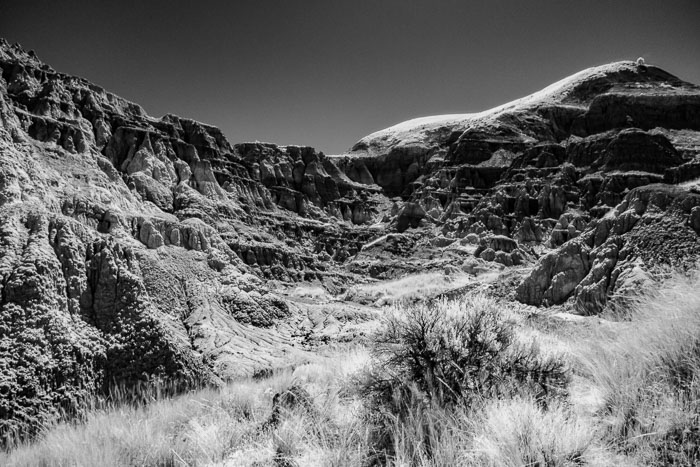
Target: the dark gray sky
(326, 73)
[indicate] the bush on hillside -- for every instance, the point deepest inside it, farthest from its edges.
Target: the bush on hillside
(452, 353)
(457, 351)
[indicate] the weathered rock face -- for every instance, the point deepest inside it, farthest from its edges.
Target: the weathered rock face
(653, 226)
(135, 249)
(546, 171)
(580, 144)
(666, 108)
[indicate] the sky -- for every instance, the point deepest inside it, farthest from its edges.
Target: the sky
(326, 73)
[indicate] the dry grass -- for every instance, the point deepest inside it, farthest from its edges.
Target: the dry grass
(407, 289)
(648, 377)
(186, 430)
(633, 400)
(216, 427)
(520, 432)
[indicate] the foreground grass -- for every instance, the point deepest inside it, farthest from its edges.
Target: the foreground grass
(216, 427)
(648, 378)
(438, 387)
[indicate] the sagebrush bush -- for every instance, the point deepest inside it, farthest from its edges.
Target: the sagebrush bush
(458, 351)
(450, 355)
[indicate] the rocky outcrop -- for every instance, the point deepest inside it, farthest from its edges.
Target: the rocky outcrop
(576, 147)
(547, 171)
(132, 248)
(673, 107)
(652, 227)
(298, 179)
(77, 318)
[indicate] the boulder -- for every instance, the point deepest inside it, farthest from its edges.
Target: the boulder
(488, 254)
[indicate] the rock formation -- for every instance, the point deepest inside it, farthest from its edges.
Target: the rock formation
(653, 226)
(549, 171)
(136, 249)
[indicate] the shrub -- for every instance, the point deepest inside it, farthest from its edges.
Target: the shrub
(449, 355)
(457, 351)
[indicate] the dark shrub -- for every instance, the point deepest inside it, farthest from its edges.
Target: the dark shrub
(449, 353)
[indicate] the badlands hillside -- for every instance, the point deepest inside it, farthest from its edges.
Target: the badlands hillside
(138, 249)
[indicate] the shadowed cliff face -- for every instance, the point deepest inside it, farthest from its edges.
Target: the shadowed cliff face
(137, 249)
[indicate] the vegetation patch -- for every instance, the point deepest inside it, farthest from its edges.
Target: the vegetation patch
(464, 382)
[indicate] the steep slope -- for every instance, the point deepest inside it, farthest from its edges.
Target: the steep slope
(654, 226)
(137, 249)
(543, 169)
